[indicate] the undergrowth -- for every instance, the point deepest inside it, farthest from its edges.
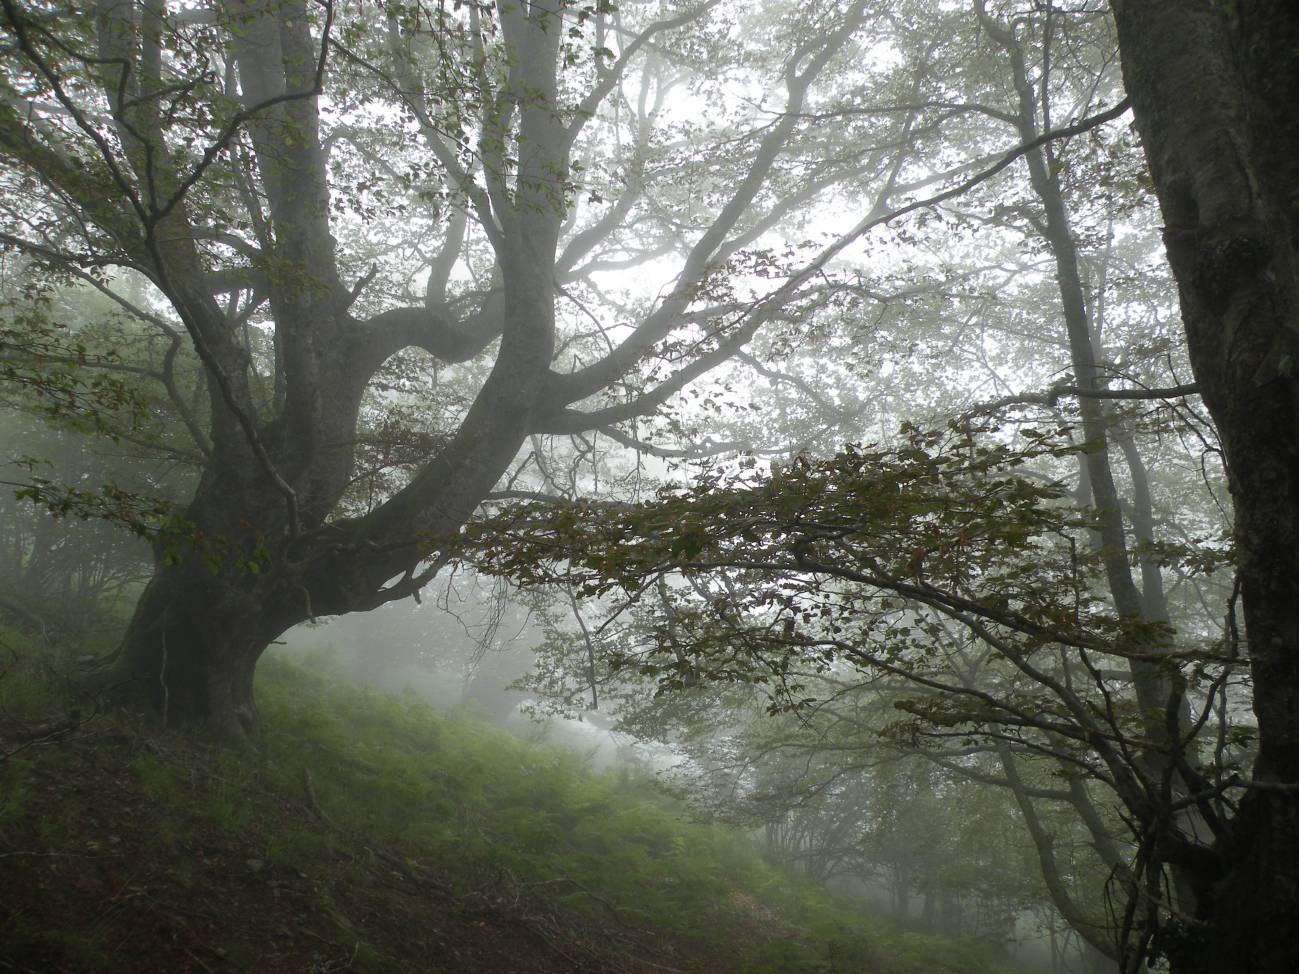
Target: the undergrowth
(482, 804)
(359, 806)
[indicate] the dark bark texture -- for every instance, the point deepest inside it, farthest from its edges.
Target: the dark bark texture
(1214, 88)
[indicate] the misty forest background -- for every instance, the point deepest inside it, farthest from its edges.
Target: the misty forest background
(688, 486)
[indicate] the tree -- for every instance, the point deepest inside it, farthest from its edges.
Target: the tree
(950, 567)
(63, 575)
(232, 157)
(1212, 87)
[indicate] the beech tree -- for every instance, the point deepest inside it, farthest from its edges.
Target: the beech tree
(234, 155)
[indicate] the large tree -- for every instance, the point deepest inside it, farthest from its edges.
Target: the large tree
(1213, 87)
(237, 156)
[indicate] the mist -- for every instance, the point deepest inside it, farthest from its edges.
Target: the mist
(649, 486)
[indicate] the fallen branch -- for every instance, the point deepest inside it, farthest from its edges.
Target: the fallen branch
(408, 872)
(613, 908)
(48, 733)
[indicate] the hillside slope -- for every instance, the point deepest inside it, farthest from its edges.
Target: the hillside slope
(371, 834)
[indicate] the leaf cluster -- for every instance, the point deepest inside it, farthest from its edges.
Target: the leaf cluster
(945, 513)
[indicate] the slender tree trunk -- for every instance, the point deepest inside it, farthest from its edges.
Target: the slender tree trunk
(1098, 936)
(1152, 682)
(1157, 686)
(1214, 88)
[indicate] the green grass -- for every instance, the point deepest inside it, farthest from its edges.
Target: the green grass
(371, 830)
(454, 791)
(28, 687)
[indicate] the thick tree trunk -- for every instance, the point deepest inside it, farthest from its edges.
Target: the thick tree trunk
(264, 547)
(202, 624)
(1213, 88)
(210, 611)
(190, 653)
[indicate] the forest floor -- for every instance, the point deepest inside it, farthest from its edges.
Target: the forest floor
(368, 834)
(94, 879)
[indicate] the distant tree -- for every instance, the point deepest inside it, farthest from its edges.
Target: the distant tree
(60, 575)
(838, 804)
(89, 448)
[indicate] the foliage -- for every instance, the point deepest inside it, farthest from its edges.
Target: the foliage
(49, 368)
(947, 579)
(372, 205)
(806, 560)
(93, 457)
(398, 241)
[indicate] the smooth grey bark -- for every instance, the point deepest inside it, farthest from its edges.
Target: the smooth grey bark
(262, 544)
(269, 486)
(1213, 88)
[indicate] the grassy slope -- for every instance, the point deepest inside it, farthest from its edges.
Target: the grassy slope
(371, 834)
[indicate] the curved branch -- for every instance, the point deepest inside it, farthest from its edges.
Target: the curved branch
(431, 328)
(610, 78)
(560, 419)
(573, 386)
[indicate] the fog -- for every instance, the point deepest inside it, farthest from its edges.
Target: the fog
(804, 418)
(470, 646)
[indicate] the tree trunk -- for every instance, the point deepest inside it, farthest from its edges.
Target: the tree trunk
(263, 545)
(190, 653)
(1213, 89)
(223, 594)
(209, 612)
(1157, 686)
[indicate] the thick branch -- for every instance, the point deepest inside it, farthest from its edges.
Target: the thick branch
(433, 329)
(1053, 395)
